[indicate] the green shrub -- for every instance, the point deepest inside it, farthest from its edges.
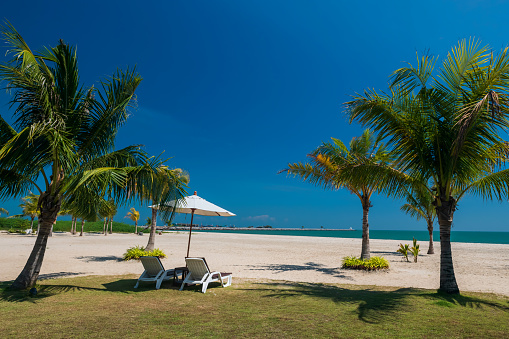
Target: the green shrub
(15, 223)
(377, 263)
(415, 250)
(156, 253)
(139, 251)
(403, 249)
(374, 263)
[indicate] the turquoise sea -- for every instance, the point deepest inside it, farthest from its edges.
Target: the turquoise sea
(459, 236)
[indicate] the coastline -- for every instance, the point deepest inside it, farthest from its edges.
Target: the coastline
(478, 267)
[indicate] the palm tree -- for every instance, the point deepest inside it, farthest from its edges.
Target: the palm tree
(444, 129)
(106, 211)
(4, 211)
(168, 185)
(66, 138)
(29, 208)
(420, 205)
(330, 162)
(134, 215)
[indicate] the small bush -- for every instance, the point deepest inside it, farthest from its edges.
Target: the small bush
(139, 251)
(374, 263)
(156, 253)
(403, 249)
(415, 250)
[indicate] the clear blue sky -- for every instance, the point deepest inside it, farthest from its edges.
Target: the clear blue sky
(234, 90)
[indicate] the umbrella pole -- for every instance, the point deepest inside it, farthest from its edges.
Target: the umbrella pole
(190, 228)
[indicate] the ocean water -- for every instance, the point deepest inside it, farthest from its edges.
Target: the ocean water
(407, 236)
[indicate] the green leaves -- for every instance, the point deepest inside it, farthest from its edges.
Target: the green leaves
(404, 249)
(374, 263)
(415, 250)
(67, 134)
(445, 128)
(363, 168)
(139, 251)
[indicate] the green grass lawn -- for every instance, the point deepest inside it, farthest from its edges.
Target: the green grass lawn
(109, 306)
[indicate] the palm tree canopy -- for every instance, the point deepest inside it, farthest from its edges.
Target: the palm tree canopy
(167, 185)
(333, 165)
(134, 215)
(444, 127)
(29, 205)
(64, 133)
(420, 205)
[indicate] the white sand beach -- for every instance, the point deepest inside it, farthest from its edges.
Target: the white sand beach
(478, 267)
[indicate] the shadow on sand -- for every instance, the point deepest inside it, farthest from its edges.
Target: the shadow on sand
(309, 266)
(90, 258)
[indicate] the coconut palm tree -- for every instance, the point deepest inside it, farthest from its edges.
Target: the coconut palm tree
(106, 212)
(134, 215)
(420, 205)
(168, 185)
(329, 162)
(444, 127)
(64, 135)
(29, 208)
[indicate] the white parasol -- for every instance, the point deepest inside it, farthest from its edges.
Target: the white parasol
(193, 204)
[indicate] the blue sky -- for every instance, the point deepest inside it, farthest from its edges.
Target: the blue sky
(235, 90)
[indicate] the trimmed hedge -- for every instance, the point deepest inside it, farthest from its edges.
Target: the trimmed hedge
(65, 226)
(374, 263)
(139, 251)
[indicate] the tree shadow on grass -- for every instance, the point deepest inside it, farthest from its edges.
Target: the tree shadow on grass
(46, 289)
(58, 275)
(309, 266)
(374, 306)
(452, 300)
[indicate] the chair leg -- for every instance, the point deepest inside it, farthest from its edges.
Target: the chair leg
(158, 283)
(184, 283)
(137, 284)
(204, 286)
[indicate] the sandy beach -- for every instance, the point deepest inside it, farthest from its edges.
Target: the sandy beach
(478, 267)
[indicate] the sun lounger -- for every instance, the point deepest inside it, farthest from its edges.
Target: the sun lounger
(154, 271)
(199, 273)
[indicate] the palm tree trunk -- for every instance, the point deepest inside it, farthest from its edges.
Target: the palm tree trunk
(104, 225)
(111, 226)
(365, 253)
(32, 224)
(431, 249)
(28, 276)
(136, 227)
(447, 278)
(152, 237)
(82, 225)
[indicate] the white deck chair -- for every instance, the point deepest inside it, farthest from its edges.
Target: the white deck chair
(199, 273)
(154, 271)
